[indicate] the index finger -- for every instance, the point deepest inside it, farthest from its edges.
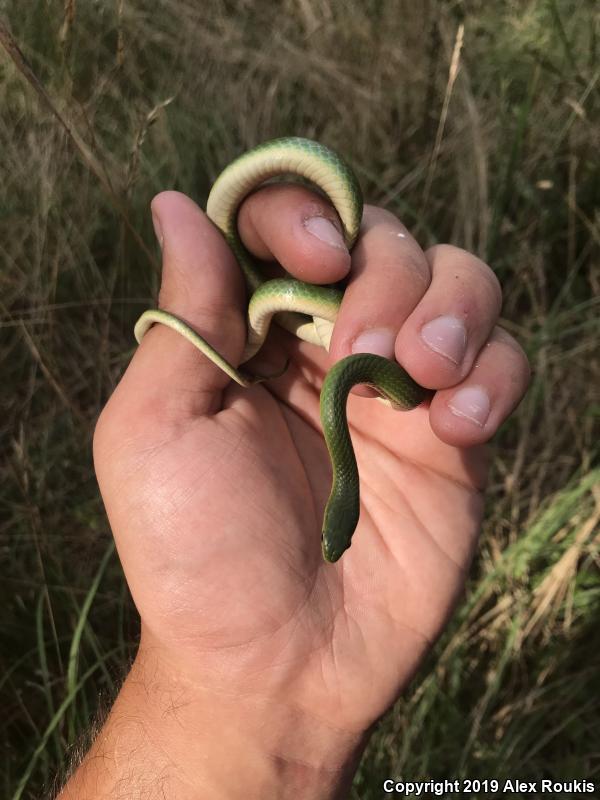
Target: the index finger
(296, 228)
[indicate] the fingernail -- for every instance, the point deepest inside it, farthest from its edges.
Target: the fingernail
(471, 403)
(380, 341)
(446, 336)
(157, 229)
(326, 231)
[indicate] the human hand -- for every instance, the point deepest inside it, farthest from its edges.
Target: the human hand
(215, 494)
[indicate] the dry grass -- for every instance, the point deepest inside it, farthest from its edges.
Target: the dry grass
(477, 123)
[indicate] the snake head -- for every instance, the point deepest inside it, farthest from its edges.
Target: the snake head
(332, 551)
(339, 523)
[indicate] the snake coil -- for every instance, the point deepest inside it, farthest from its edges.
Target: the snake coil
(307, 310)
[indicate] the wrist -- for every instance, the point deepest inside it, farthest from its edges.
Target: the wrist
(185, 741)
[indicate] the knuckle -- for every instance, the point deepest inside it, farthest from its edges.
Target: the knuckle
(446, 257)
(376, 215)
(489, 283)
(512, 354)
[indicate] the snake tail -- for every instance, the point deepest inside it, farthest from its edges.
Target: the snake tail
(395, 385)
(147, 320)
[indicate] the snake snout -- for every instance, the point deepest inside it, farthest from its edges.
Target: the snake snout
(331, 552)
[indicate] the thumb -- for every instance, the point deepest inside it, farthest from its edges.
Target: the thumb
(168, 378)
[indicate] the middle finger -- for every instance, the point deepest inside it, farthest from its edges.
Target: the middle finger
(389, 276)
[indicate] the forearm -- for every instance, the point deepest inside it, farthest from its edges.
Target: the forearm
(167, 738)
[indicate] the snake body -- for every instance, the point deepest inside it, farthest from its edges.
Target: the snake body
(308, 311)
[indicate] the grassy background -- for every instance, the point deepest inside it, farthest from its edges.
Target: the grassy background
(478, 123)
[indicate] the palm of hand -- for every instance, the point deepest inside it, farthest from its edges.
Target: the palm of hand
(227, 509)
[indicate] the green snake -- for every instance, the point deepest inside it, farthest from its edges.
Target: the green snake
(307, 310)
